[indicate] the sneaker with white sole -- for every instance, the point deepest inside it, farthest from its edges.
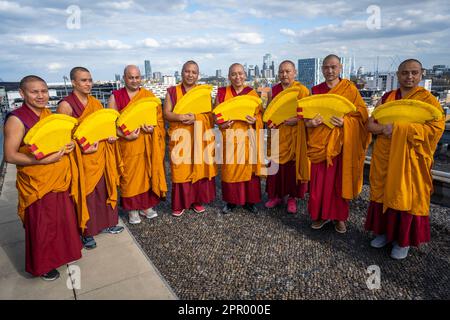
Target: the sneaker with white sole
(399, 253)
(379, 242)
(148, 213)
(133, 217)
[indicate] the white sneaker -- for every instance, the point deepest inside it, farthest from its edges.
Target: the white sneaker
(133, 217)
(148, 213)
(399, 253)
(379, 241)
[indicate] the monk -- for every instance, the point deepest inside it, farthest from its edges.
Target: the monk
(240, 177)
(337, 155)
(291, 180)
(143, 182)
(48, 189)
(400, 171)
(100, 162)
(193, 184)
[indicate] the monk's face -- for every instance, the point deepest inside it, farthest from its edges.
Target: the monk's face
(190, 74)
(409, 75)
(237, 76)
(132, 79)
(35, 94)
(286, 74)
(82, 82)
(331, 69)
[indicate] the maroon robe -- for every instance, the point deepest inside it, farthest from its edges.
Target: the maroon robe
(284, 182)
(240, 193)
(52, 238)
(101, 215)
(147, 199)
(325, 187)
(185, 194)
(404, 228)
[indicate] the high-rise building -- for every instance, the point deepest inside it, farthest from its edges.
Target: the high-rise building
(257, 74)
(177, 76)
(157, 76)
(267, 60)
(218, 73)
(148, 70)
(310, 70)
(117, 77)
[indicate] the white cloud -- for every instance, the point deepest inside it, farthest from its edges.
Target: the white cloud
(121, 5)
(288, 32)
(54, 66)
(39, 39)
(248, 38)
(149, 43)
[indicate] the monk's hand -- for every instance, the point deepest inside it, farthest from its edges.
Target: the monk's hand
(133, 135)
(69, 147)
(250, 120)
(93, 148)
(188, 118)
(315, 122)
(55, 157)
(291, 121)
(226, 124)
(336, 121)
(387, 130)
(112, 139)
(147, 129)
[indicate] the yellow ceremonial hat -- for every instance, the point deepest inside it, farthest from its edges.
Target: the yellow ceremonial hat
(99, 125)
(282, 107)
(237, 108)
(50, 135)
(142, 112)
(406, 110)
(327, 105)
(195, 101)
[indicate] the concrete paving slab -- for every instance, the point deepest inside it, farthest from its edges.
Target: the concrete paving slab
(12, 259)
(16, 286)
(146, 286)
(11, 232)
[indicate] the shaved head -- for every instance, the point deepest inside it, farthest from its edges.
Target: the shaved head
(331, 56)
(75, 70)
(31, 78)
(129, 68)
(287, 61)
(404, 63)
(233, 66)
(188, 63)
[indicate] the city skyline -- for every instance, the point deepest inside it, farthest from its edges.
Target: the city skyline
(50, 39)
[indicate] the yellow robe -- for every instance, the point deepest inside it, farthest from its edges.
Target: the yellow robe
(352, 140)
(35, 181)
(106, 161)
(400, 172)
(143, 158)
(292, 143)
(196, 168)
(240, 172)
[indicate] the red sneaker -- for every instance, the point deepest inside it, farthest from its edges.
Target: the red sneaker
(177, 213)
(197, 207)
(292, 205)
(272, 203)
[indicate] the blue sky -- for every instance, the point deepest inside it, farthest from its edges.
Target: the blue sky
(36, 40)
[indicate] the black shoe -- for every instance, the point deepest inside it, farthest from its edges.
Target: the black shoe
(51, 275)
(228, 208)
(113, 230)
(89, 243)
(250, 208)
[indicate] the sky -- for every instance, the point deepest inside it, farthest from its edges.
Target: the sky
(48, 38)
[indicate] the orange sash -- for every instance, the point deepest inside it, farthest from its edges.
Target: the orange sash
(35, 181)
(400, 173)
(352, 140)
(195, 167)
